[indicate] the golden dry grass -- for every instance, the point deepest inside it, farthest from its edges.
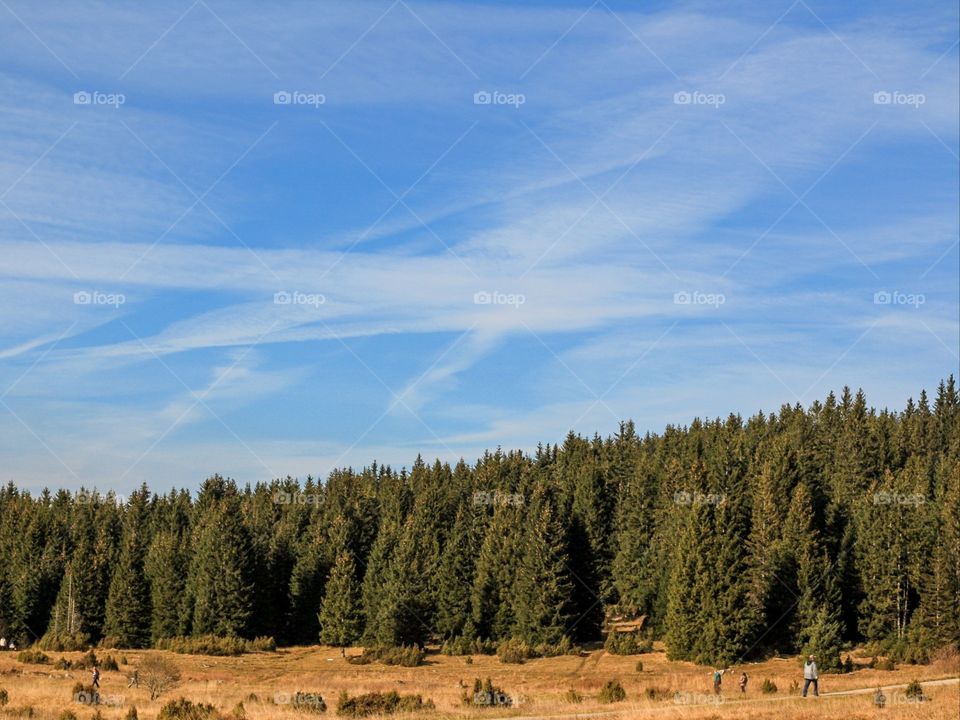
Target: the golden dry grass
(539, 685)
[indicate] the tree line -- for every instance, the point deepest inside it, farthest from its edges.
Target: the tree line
(803, 530)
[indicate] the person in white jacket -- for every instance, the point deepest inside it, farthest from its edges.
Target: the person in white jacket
(810, 675)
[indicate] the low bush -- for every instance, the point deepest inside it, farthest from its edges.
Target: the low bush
(184, 709)
(239, 712)
(110, 663)
(639, 666)
(218, 645)
(564, 647)
(573, 697)
(131, 713)
(882, 664)
(64, 642)
(656, 693)
(612, 691)
(84, 694)
(513, 651)
(403, 655)
(4, 697)
(377, 703)
(768, 687)
(32, 657)
(622, 643)
(914, 690)
(486, 694)
(848, 666)
(462, 645)
(67, 715)
(309, 702)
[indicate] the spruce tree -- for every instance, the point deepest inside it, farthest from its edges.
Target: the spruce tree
(128, 613)
(339, 618)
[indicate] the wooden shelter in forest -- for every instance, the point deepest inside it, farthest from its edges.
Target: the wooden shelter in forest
(619, 620)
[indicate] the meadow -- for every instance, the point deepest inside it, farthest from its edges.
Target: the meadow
(261, 686)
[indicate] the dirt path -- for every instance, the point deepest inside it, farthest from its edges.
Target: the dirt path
(838, 693)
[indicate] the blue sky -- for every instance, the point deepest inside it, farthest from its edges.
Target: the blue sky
(488, 224)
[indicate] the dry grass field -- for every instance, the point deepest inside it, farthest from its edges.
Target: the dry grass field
(262, 681)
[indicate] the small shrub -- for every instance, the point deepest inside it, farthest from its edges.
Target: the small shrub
(183, 709)
(109, 663)
(32, 657)
(914, 690)
(262, 644)
(252, 697)
(882, 664)
(563, 647)
(794, 687)
(377, 703)
(486, 694)
(158, 674)
(463, 645)
(768, 687)
(639, 666)
(239, 711)
(4, 697)
(23, 712)
(131, 713)
(310, 702)
(656, 693)
(513, 651)
(84, 694)
(611, 692)
(67, 715)
(624, 643)
(403, 655)
(573, 697)
(468, 660)
(848, 666)
(123, 660)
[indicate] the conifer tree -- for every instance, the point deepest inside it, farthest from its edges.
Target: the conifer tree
(340, 620)
(541, 594)
(128, 613)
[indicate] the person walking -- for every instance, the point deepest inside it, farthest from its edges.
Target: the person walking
(743, 683)
(810, 675)
(95, 675)
(717, 680)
